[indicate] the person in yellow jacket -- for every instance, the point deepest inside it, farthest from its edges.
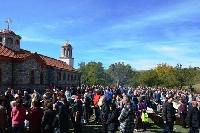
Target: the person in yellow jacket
(144, 120)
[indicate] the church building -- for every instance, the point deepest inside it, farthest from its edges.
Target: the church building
(21, 68)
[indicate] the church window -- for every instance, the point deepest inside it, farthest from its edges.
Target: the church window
(41, 78)
(64, 52)
(68, 52)
(59, 76)
(17, 42)
(64, 76)
(74, 77)
(68, 77)
(0, 39)
(10, 41)
(32, 78)
(1, 76)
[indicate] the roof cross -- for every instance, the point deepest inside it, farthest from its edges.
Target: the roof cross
(9, 21)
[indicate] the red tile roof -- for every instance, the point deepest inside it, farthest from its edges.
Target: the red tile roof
(6, 52)
(67, 45)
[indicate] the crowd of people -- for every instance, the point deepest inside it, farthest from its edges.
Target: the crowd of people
(115, 108)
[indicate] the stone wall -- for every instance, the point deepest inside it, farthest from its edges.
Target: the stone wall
(22, 72)
(6, 68)
(22, 76)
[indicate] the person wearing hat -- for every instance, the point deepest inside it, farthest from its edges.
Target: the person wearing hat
(168, 116)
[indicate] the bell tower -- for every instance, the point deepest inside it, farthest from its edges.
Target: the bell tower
(66, 54)
(9, 39)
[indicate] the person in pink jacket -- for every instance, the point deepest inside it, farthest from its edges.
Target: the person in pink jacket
(18, 115)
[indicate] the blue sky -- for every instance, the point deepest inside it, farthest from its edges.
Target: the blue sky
(141, 33)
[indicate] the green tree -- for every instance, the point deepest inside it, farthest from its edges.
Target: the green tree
(120, 73)
(165, 75)
(92, 73)
(148, 78)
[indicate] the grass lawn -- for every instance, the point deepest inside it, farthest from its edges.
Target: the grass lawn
(152, 128)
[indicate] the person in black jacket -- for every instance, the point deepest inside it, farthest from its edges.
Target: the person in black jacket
(76, 115)
(48, 119)
(168, 116)
(61, 121)
(104, 114)
(193, 118)
(112, 121)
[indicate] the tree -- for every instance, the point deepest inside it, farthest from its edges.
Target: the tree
(148, 78)
(92, 73)
(120, 73)
(165, 75)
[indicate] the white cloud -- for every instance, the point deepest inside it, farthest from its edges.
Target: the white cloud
(165, 49)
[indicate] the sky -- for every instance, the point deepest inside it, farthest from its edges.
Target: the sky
(141, 33)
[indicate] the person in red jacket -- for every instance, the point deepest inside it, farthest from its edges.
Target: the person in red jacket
(34, 117)
(96, 107)
(18, 115)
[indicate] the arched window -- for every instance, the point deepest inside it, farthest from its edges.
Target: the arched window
(41, 78)
(32, 77)
(0, 39)
(10, 40)
(74, 77)
(65, 52)
(17, 42)
(1, 76)
(68, 52)
(64, 76)
(68, 77)
(59, 76)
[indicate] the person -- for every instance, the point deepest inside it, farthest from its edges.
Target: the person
(126, 117)
(3, 117)
(18, 115)
(26, 99)
(141, 107)
(86, 108)
(34, 117)
(104, 114)
(112, 121)
(193, 118)
(48, 118)
(109, 95)
(61, 121)
(182, 110)
(96, 107)
(144, 120)
(76, 115)
(168, 115)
